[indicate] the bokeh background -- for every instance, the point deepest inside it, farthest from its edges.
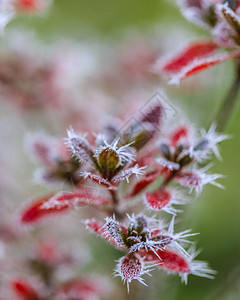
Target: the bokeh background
(216, 213)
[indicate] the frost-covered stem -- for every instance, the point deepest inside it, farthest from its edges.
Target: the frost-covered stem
(227, 107)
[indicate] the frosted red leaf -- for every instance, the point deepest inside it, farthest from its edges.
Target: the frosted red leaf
(97, 179)
(24, 289)
(170, 260)
(34, 212)
(53, 204)
(158, 199)
(143, 183)
(202, 64)
(130, 267)
(74, 199)
(194, 51)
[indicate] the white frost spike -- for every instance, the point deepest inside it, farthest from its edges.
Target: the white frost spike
(78, 145)
(130, 268)
(208, 178)
(112, 227)
(125, 174)
(202, 179)
(178, 198)
(124, 153)
(213, 139)
(197, 267)
(54, 202)
(166, 163)
(179, 237)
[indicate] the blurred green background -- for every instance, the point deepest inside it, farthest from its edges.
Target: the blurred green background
(216, 213)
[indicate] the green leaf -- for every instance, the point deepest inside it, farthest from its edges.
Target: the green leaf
(108, 161)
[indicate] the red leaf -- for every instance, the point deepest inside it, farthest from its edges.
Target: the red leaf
(194, 51)
(24, 290)
(143, 183)
(130, 267)
(99, 180)
(169, 261)
(50, 205)
(74, 199)
(34, 212)
(202, 64)
(158, 199)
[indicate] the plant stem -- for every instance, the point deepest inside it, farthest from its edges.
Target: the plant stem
(228, 105)
(115, 210)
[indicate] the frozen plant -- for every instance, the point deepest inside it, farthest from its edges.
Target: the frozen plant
(144, 158)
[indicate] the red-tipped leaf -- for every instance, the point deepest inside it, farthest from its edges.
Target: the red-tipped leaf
(192, 52)
(53, 204)
(169, 260)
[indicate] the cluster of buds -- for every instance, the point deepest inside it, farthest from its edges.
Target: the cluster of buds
(222, 18)
(149, 244)
(149, 162)
(45, 265)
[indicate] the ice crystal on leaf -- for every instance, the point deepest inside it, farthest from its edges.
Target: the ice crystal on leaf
(132, 267)
(124, 153)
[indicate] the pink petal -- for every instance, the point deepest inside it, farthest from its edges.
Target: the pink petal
(188, 55)
(158, 199)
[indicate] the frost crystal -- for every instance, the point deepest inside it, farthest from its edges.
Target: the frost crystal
(125, 153)
(79, 146)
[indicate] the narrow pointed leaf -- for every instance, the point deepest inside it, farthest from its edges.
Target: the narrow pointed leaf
(192, 52)
(202, 64)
